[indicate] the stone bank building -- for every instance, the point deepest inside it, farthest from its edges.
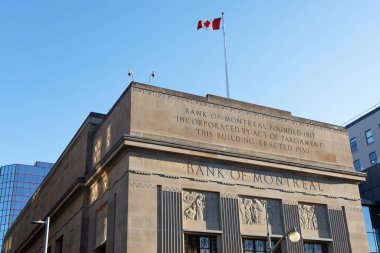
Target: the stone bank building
(169, 172)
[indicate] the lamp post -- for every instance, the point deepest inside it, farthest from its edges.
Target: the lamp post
(46, 223)
(293, 235)
(266, 217)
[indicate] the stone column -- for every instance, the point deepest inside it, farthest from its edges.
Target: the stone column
(171, 221)
(111, 225)
(338, 228)
(291, 219)
(231, 239)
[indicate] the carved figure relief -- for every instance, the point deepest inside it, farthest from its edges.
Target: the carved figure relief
(308, 217)
(253, 211)
(194, 205)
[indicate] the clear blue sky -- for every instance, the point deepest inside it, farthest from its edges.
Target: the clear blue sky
(60, 60)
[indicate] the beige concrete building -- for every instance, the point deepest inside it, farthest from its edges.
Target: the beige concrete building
(170, 172)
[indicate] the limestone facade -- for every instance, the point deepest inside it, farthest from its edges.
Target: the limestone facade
(167, 172)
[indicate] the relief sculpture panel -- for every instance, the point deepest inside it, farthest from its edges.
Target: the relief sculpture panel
(200, 210)
(253, 211)
(313, 220)
(253, 215)
(194, 205)
(308, 217)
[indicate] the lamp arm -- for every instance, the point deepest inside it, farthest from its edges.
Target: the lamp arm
(279, 242)
(272, 249)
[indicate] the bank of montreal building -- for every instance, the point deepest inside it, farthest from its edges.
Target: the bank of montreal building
(169, 172)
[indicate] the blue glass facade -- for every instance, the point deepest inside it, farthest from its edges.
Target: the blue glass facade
(373, 234)
(17, 184)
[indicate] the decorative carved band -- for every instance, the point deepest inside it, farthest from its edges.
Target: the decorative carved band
(331, 197)
(334, 207)
(226, 183)
(171, 189)
(289, 202)
(139, 172)
(170, 176)
(228, 195)
(288, 191)
(353, 209)
(142, 185)
(199, 180)
(258, 187)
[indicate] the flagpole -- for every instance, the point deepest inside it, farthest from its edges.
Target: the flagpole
(225, 57)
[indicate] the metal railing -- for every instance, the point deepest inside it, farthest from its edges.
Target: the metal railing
(361, 114)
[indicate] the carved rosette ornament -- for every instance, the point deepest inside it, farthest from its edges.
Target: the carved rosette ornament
(308, 217)
(194, 205)
(253, 211)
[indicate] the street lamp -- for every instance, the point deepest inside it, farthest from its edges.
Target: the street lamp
(293, 235)
(46, 223)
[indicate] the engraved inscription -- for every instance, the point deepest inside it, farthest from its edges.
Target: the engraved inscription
(194, 205)
(255, 177)
(226, 127)
(273, 136)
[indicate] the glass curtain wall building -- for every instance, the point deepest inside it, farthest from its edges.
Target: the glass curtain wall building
(17, 184)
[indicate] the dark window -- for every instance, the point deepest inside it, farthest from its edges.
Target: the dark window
(357, 165)
(369, 136)
(373, 158)
(200, 244)
(101, 248)
(257, 246)
(315, 247)
(49, 249)
(354, 145)
(59, 245)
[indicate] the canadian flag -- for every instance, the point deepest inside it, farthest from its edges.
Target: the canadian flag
(209, 25)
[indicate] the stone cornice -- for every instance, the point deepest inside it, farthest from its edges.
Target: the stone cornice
(231, 157)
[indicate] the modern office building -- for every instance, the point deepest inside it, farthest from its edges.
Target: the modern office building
(364, 132)
(169, 172)
(18, 182)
